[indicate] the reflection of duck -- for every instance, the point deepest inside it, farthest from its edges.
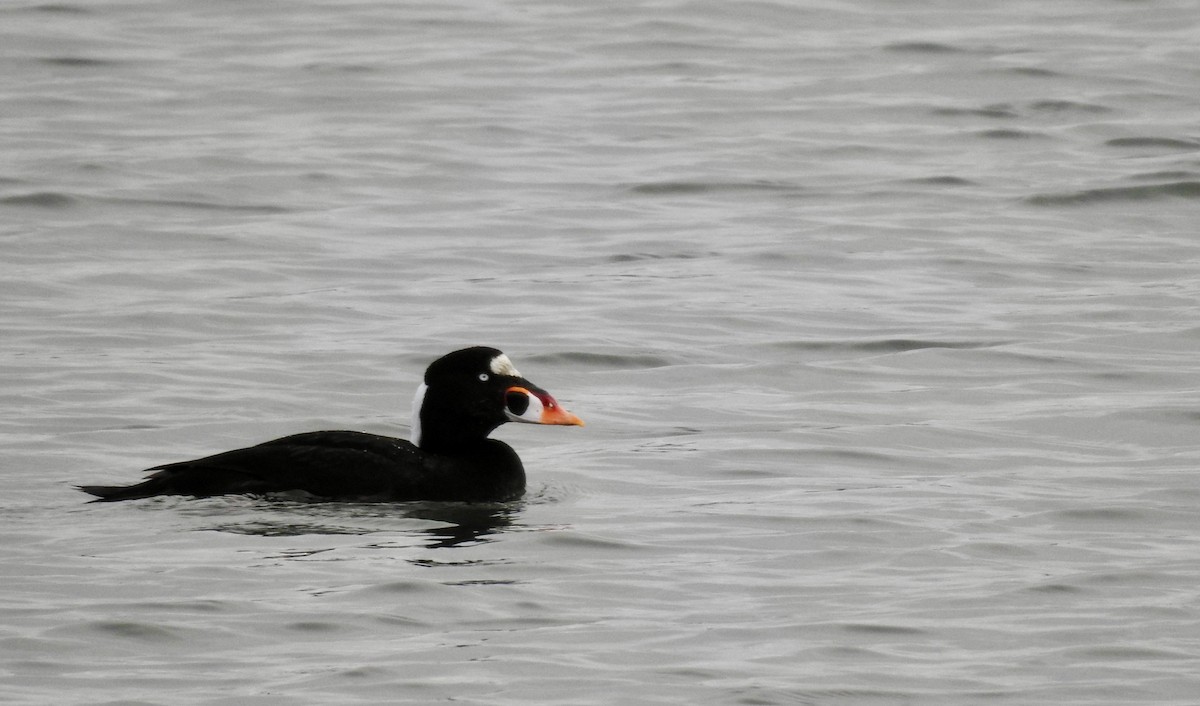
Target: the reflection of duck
(465, 523)
(465, 395)
(456, 523)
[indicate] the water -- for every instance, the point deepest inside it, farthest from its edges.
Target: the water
(883, 317)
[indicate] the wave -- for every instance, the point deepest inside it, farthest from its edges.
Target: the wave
(1178, 189)
(40, 199)
(77, 62)
(1005, 134)
(58, 9)
(923, 48)
(606, 360)
(1154, 142)
(1065, 106)
(883, 345)
(942, 180)
(988, 111)
(671, 188)
(1169, 175)
(1008, 110)
(59, 200)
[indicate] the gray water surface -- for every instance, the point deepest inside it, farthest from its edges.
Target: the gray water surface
(883, 317)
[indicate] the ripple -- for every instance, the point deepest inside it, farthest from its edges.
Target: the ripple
(58, 200)
(267, 528)
(136, 631)
(677, 188)
(881, 629)
(1122, 653)
(641, 256)
(41, 199)
(1178, 175)
(611, 361)
(1103, 515)
(200, 605)
(1063, 106)
(403, 586)
(984, 112)
(923, 48)
(575, 540)
(77, 62)
(340, 68)
(200, 205)
(1055, 588)
(1178, 189)
(1003, 134)
(884, 345)
(945, 180)
(1031, 71)
(61, 9)
(1154, 143)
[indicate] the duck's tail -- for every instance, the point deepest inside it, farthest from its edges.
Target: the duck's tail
(111, 493)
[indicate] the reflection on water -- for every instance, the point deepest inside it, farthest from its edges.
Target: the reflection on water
(457, 523)
(466, 523)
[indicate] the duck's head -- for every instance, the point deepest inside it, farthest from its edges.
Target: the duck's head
(468, 393)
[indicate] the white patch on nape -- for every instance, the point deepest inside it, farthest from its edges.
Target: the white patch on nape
(501, 365)
(418, 402)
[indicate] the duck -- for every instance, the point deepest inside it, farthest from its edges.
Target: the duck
(463, 397)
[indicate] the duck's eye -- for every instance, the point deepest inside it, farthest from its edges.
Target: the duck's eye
(484, 377)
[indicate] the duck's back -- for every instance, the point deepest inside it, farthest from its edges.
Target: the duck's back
(337, 465)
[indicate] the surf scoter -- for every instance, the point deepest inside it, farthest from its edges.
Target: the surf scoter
(465, 395)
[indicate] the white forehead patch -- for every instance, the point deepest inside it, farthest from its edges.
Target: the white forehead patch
(501, 365)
